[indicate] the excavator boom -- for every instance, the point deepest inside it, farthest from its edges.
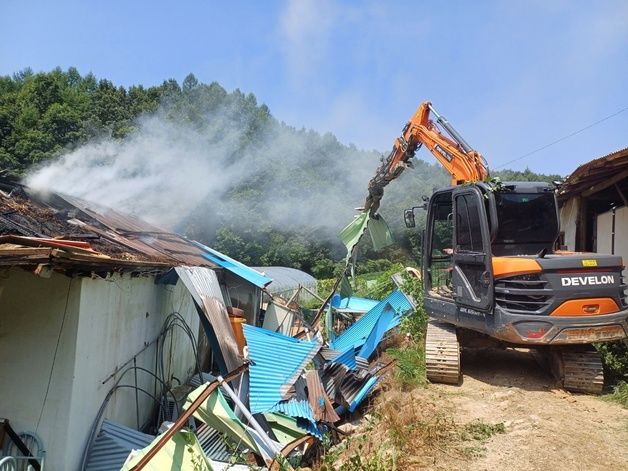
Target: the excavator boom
(457, 157)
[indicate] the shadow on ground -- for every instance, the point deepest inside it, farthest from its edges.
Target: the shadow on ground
(508, 368)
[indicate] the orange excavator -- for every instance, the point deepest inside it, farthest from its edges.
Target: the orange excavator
(491, 274)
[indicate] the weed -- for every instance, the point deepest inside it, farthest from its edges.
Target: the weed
(619, 394)
(615, 359)
(410, 364)
(482, 431)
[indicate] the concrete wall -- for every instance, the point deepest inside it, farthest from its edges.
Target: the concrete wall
(107, 322)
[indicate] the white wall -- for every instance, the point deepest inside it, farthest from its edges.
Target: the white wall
(604, 231)
(108, 321)
(35, 315)
(568, 218)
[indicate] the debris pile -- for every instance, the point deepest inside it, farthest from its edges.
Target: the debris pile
(299, 389)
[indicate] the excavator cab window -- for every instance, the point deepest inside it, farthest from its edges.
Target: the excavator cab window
(440, 245)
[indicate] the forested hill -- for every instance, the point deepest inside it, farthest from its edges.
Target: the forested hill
(259, 190)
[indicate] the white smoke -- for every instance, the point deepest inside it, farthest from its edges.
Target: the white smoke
(166, 170)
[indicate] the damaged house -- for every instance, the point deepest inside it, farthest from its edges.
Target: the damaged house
(594, 206)
(123, 346)
(98, 312)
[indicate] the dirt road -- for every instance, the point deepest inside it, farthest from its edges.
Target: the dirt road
(546, 428)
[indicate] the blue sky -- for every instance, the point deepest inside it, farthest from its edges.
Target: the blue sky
(511, 76)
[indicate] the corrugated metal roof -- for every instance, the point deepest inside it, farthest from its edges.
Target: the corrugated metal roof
(213, 443)
(386, 321)
(276, 363)
(347, 358)
(200, 281)
(223, 335)
(593, 172)
(299, 409)
(113, 445)
(235, 267)
(355, 304)
(356, 334)
(318, 399)
(286, 279)
(361, 394)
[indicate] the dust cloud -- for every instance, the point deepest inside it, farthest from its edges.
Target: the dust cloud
(168, 171)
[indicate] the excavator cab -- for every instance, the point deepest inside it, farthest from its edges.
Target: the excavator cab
(490, 272)
(457, 253)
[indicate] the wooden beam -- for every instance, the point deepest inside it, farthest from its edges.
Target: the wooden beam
(605, 184)
(621, 194)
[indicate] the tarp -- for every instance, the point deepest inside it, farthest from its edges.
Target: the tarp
(216, 413)
(181, 452)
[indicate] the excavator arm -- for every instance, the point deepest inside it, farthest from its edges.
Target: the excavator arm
(462, 162)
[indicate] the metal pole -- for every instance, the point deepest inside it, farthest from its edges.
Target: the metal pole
(258, 428)
(613, 232)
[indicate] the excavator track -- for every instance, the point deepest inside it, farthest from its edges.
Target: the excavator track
(583, 371)
(578, 369)
(442, 353)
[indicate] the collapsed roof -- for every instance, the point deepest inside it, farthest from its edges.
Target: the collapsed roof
(61, 231)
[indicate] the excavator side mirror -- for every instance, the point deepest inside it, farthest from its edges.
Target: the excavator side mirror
(408, 218)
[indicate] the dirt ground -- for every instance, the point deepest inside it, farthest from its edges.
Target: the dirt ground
(546, 428)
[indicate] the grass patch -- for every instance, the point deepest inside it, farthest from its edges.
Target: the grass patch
(481, 431)
(619, 394)
(410, 365)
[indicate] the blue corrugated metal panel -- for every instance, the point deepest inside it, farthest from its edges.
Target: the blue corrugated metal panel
(385, 322)
(299, 410)
(235, 267)
(295, 408)
(355, 304)
(276, 363)
(113, 445)
(356, 334)
(347, 358)
(363, 392)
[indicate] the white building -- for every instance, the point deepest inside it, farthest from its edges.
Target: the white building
(594, 206)
(85, 296)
